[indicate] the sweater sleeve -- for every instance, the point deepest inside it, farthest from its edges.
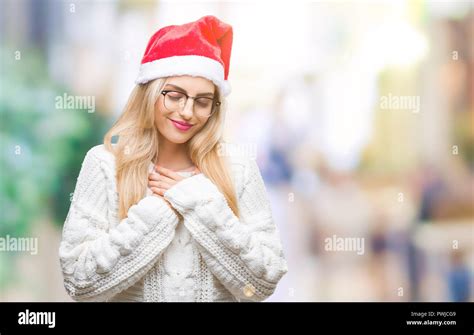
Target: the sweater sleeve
(245, 253)
(99, 259)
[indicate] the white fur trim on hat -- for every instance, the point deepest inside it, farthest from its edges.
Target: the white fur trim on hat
(192, 65)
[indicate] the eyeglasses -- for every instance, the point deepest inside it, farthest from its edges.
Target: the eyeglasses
(175, 101)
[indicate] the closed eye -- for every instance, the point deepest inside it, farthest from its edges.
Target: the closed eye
(204, 102)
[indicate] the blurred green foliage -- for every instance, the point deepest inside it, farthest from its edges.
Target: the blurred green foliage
(42, 147)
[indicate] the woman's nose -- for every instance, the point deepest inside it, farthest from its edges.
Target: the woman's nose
(187, 112)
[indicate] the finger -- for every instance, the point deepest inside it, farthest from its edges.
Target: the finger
(159, 184)
(159, 191)
(153, 176)
(169, 173)
(159, 178)
(166, 180)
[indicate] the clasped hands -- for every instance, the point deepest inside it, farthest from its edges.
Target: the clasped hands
(162, 181)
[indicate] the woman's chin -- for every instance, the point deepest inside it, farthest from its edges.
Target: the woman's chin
(177, 138)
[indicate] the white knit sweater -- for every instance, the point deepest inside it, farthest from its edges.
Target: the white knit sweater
(152, 255)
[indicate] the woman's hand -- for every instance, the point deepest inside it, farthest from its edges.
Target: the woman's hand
(162, 182)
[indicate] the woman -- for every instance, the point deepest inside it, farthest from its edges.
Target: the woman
(164, 214)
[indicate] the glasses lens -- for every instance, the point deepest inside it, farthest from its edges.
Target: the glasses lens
(175, 101)
(203, 106)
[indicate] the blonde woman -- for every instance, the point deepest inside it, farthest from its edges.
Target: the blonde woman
(164, 214)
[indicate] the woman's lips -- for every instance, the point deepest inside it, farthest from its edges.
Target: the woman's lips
(183, 126)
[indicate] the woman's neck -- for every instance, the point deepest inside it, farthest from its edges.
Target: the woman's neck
(173, 156)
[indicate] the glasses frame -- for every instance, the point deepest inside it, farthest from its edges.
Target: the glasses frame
(214, 102)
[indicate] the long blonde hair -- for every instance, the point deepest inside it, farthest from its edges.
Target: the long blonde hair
(137, 146)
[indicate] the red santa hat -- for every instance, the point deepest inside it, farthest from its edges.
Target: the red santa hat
(201, 48)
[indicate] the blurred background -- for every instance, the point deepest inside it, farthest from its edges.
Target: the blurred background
(360, 115)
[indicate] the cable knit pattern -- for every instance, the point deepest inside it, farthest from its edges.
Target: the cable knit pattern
(151, 256)
(100, 258)
(246, 254)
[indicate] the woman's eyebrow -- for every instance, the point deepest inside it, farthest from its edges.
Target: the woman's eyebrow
(184, 91)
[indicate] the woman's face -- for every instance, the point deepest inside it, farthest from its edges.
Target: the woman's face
(181, 124)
